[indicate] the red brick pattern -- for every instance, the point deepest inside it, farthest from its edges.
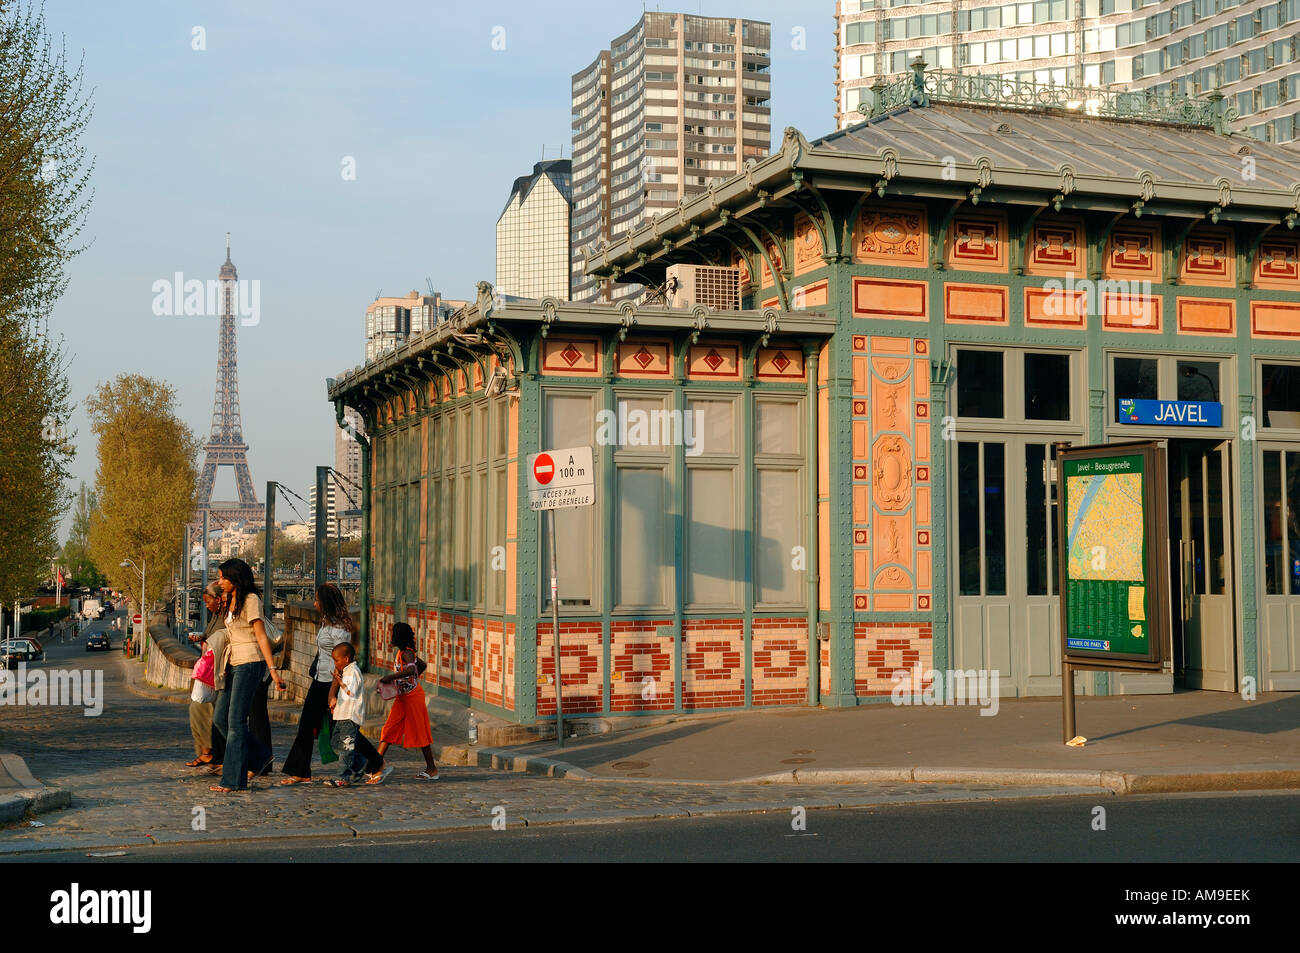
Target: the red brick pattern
(882, 648)
(581, 649)
(713, 660)
(638, 654)
(780, 664)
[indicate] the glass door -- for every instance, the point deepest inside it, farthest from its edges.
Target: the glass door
(1208, 573)
(1280, 538)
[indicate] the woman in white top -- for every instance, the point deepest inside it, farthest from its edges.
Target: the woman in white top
(336, 627)
(250, 658)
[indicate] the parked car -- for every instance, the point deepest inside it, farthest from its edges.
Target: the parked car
(22, 650)
(98, 640)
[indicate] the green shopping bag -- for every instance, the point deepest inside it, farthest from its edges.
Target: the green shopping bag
(323, 744)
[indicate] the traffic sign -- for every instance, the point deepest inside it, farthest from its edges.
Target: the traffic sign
(137, 619)
(561, 478)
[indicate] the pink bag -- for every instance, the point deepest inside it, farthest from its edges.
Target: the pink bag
(388, 690)
(205, 670)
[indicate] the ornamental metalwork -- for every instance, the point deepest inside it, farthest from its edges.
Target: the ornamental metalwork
(921, 87)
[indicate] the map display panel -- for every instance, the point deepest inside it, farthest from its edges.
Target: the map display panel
(1107, 591)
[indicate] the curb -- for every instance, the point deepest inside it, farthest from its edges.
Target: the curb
(32, 797)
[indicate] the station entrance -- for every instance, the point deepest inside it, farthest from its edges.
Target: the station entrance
(1203, 564)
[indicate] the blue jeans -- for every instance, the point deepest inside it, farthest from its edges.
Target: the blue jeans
(244, 750)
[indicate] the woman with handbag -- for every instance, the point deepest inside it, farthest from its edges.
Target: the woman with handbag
(408, 720)
(209, 672)
(250, 658)
(335, 628)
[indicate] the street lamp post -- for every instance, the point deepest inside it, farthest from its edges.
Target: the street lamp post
(144, 613)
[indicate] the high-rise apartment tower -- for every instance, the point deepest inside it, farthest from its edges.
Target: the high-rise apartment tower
(675, 103)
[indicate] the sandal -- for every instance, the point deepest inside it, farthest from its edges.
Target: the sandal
(426, 776)
(216, 768)
(381, 775)
(293, 780)
(218, 789)
(198, 762)
(339, 782)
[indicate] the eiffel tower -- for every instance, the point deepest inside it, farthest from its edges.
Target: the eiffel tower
(225, 446)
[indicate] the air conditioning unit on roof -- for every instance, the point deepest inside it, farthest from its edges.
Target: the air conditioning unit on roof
(717, 288)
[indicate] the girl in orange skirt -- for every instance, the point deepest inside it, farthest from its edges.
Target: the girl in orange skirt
(408, 720)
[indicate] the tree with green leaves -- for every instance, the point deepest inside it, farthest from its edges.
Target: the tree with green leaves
(44, 176)
(146, 485)
(76, 551)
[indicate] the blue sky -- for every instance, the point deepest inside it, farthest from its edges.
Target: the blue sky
(249, 136)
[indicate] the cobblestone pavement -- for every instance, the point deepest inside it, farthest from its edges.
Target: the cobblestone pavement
(129, 785)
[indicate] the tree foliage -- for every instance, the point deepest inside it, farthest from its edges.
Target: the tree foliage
(146, 482)
(44, 177)
(76, 551)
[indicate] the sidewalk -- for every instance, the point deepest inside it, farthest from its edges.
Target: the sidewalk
(1190, 741)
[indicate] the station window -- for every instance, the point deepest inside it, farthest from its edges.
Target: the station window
(1015, 385)
(980, 384)
(1281, 530)
(1198, 380)
(1280, 395)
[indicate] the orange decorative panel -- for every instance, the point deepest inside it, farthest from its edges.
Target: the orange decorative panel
(1208, 257)
(742, 265)
(891, 235)
(1125, 311)
(815, 295)
(644, 359)
(1056, 307)
(770, 303)
(1275, 319)
(713, 360)
(1207, 316)
(1055, 248)
(893, 603)
(571, 356)
(885, 298)
(1277, 264)
(774, 253)
(807, 245)
(1133, 252)
(975, 304)
(891, 473)
(978, 243)
(779, 363)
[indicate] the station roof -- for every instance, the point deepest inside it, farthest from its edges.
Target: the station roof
(494, 323)
(957, 136)
(1018, 140)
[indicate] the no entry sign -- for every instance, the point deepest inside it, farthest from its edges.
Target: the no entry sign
(561, 478)
(543, 469)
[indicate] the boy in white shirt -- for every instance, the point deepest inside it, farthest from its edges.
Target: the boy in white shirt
(348, 703)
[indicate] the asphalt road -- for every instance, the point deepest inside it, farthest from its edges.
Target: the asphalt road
(1176, 829)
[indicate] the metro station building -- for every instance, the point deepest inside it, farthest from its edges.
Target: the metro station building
(928, 301)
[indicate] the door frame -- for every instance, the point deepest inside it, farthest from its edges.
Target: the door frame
(1232, 575)
(1113, 432)
(1265, 444)
(1011, 431)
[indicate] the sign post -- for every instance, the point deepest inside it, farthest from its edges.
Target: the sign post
(558, 479)
(1112, 526)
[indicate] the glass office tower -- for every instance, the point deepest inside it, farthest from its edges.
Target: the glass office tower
(1250, 51)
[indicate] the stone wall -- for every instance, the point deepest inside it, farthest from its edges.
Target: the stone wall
(170, 662)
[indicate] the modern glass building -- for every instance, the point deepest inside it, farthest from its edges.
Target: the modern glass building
(677, 102)
(1250, 51)
(533, 233)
